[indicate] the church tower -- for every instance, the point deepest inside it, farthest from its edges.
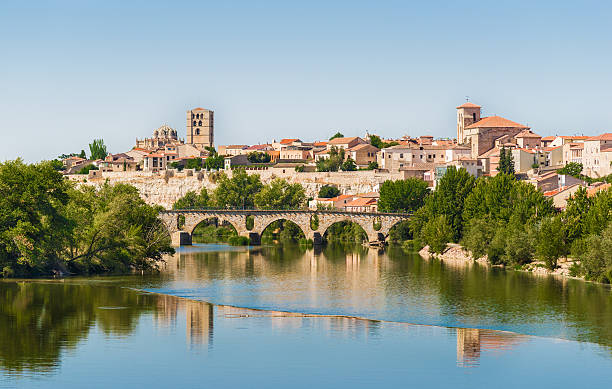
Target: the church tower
(468, 113)
(200, 127)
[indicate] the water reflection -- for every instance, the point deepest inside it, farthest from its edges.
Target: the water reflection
(472, 341)
(394, 286)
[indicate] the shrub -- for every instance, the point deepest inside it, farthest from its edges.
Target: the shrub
(237, 240)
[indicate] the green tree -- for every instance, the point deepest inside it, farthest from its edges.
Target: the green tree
(372, 165)
(85, 169)
(193, 200)
(82, 154)
(437, 232)
(337, 135)
(572, 169)
(377, 142)
(449, 198)
(194, 163)
(238, 191)
(32, 228)
(596, 256)
(328, 191)
(97, 149)
(214, 162)
(402, 195)
(349, 165)
(333, 162)
(279, 194)
(258, 157)
(551, 244)
(578, 206)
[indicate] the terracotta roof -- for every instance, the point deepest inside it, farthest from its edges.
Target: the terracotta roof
(320, 144)
(258, 147)
(593, 190)
(241, 147)
(469, 105)
(361, 201)
(199, 109)
(547, 138)
(337, 141)
(341, 197)
(494, 152)
(496, 121)
(576, 145)
(551, 148)
(574, 137)
(363, 146)
(287, 141)
(606, 136)
(527, 134)
(74, 158)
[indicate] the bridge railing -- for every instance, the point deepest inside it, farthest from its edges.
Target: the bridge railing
(304, 210)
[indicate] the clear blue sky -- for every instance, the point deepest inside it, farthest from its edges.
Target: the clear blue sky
(72, 71)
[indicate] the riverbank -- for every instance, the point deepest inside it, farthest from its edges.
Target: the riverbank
(456, 253)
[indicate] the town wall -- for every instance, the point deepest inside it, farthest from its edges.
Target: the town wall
(165, 187)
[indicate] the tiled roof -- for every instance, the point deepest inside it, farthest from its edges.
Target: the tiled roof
(551, 148)
(527, 134)
(361, 201)
(469, 105)
(363, 146)
(593, 190)
(287, 141)
(606, 136)
(547, 138)
(339, 141)
(320, 144)
(496, 121)
(241, 147)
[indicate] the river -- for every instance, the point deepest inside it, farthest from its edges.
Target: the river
(221, 316)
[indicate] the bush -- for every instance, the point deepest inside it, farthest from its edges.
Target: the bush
(237, 240)
(328, 191)
(437, 233)
(86, 169)
(314, 222)
(249, 222)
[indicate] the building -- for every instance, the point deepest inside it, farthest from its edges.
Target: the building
(527, 139)
(482, 132)
(572, 152)
(362, 204)
(467, 114)
(200, 128)
(363, 154)
(597, 154)
(162, 136)
(345, 143)
(231, 150)
(296, 153)
(119, 163)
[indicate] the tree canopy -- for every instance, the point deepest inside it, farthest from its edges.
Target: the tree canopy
(238, 191)
(337, 135)
(279, 194)
(333, 162)
(258, 157)
(402, 195)
(193, 200)
(328, 191)
(97, 149)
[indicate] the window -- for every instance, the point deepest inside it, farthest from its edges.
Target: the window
(200, 123)
(192, 115)
(401, 155)
(474, 116)
(197, 131)
(194, 123)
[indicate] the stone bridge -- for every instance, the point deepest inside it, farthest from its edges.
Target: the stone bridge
(376, 225)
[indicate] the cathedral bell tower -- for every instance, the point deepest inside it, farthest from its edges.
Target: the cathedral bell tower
(200, 127)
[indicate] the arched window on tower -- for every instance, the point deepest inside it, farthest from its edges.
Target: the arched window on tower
(197, 131)
(474, 116)
(200, 123)
(195, 123)
(192, 115)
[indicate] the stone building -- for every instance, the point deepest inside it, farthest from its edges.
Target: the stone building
(200, 128)
(161, 137)
(467, 114)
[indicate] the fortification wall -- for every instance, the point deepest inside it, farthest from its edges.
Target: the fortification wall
(165, 188)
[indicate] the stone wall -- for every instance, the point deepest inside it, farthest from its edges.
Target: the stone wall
(165, 188)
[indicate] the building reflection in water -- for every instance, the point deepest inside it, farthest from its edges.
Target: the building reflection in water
(472, 341)
(198, 318)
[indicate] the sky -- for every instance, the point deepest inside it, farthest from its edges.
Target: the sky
(73, 71)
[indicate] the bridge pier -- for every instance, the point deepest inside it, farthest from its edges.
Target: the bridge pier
(181, 238)
(254, 238)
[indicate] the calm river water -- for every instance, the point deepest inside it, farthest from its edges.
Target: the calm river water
(218, 316)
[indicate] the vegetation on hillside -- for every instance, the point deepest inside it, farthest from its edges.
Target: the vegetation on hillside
(48, 226)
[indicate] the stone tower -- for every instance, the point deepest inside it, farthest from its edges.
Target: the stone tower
(200, 127)
(467, 114)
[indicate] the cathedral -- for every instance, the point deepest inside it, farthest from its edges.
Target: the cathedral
(162, 136)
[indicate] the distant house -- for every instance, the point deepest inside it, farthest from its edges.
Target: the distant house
(560, 195)
(230, 150)
(345, 143)
(362, 154)
(362, 204)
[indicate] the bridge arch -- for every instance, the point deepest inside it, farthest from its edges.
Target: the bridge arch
(292, 223)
